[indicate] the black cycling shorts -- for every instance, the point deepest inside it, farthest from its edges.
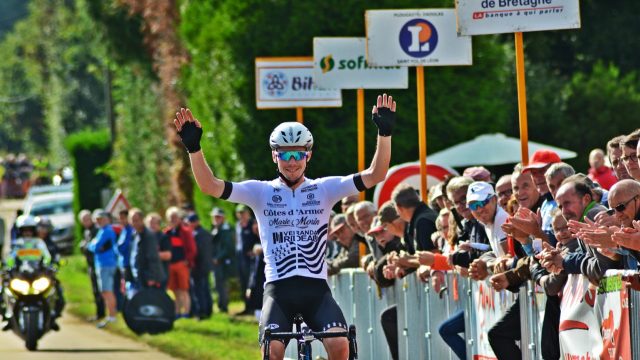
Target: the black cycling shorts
(285, 298)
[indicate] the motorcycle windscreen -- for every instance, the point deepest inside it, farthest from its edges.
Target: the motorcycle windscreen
(150, 311)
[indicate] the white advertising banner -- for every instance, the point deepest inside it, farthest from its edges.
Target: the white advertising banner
(339, 63)
(415, 38)
(580, 336)
(594, 322)
(477, 17)
(490, 306)
(289, 83)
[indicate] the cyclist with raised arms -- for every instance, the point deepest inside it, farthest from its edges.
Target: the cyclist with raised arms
(293, 214)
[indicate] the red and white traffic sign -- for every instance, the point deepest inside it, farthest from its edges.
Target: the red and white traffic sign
(409, 173)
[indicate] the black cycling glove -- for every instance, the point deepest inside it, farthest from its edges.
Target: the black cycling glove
(190, 136)
(385, 119)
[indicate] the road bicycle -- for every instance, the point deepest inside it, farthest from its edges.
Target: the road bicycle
(305, 336)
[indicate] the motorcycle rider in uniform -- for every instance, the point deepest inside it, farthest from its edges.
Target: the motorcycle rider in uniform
(27, 240)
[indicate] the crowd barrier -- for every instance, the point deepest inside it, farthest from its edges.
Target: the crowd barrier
(595, 321)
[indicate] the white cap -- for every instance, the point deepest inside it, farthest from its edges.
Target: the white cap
(479, 191)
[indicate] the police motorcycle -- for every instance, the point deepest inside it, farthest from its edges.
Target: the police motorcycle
(29, 287)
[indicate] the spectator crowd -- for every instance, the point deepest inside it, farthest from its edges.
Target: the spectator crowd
(136, 252)
(541, 222)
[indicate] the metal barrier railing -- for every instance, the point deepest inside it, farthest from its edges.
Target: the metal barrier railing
(421, 310)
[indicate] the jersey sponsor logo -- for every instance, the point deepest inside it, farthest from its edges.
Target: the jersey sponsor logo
(310, 196)
(302, 222)
(276, 189)
(303, 255)
(272, 326)
(294, 236)
(272, 205)
(276, 199)
(309, 188)
(311, 203)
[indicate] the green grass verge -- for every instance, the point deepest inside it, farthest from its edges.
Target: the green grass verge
(222, 337)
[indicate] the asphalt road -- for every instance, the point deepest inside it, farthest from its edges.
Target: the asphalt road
(76, 339)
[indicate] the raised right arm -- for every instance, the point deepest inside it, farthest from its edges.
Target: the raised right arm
(190, 131)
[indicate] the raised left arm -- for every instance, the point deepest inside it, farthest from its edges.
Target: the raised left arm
(383, 115)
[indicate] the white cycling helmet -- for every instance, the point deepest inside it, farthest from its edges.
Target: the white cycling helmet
(26, 221)
(291, 134)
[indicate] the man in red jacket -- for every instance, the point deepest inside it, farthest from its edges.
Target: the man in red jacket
(183, 253)
(599, 172)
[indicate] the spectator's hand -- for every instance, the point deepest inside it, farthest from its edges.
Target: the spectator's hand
(576, 226)
(598, 236)
(464, 272)
(384, 114)
(464, 246)
(437, 280)
(527, 222)
(392, 258)
(400, 273)
(551, 259)
(189, 130)
(423, 273)
(609, 253)
(628, 237)
(371, 269)
(499, 282)
(514, 232)
(478, 270)
(389, 272)
(604, 219)
(247, 294)
(503, 264)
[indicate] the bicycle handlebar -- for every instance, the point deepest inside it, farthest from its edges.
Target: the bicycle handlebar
(303, 334)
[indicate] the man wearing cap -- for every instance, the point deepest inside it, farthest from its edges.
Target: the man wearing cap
(103, 246)
(483, 203)
(477, 173)
(222, 252)
(540, 163)
(201, 272)
(349, 253)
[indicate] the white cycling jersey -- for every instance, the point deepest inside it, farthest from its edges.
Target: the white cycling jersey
(293, 223)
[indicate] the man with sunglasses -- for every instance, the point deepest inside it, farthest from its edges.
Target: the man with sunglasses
(293, 214)
(624, 198)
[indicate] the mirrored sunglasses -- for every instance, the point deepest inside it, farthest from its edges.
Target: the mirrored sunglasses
(475, 205)
(287, 155)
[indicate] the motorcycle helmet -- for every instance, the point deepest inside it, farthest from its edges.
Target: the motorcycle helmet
(44, 222)
(26, 222)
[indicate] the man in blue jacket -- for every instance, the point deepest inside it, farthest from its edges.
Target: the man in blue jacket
(103, 246)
